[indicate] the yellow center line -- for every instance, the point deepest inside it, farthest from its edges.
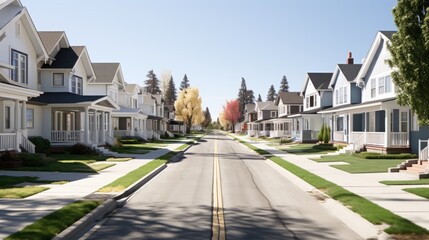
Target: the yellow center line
(218, 221)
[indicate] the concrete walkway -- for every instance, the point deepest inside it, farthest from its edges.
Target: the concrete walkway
(16, 214)
(393, 198)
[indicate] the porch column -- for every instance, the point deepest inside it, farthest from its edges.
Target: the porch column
(24, 116)
(86, 130)
(132, 126)
(95, 128)
(349, 127)
(16, 119)
(387, 126)
(103, 130)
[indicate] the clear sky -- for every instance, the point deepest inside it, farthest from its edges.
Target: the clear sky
(217, 42)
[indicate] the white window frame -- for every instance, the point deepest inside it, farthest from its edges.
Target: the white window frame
(29, 118)
(341, 91)
(345, 95)
(55, 82)
(373, 88)
(273, 114)
(77, 83)
(381, 85)
(387, 84)
(20, 61)
(403, 121)
(7, 117)
(337, 97)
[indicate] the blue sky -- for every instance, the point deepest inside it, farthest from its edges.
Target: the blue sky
(216, 43)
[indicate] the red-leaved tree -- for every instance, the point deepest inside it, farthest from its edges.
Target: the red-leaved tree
(232, 113)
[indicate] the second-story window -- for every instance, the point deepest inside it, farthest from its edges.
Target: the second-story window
(20, 72)
(273, 114)
(381, 84)
(77, 85)
(58, 80)
(373, 89)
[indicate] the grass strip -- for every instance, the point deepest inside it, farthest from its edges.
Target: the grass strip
(54, 223)
(20, 192)
(10, 180)
(407, 182)
(422, 192)
(123, 182)
(367, 209)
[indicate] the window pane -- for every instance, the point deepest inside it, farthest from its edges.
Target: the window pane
(381, 86)
(388, 84)
(7, 118)
(58, 79)
(30, 118)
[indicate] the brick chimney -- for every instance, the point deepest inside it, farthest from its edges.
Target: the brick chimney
(350, 59)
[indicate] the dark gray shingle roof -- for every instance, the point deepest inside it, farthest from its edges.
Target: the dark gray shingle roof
(66, 58)
(388, 34)
(63, 98)
(350, 71)
(320, 80)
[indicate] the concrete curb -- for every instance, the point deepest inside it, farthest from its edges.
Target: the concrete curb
(95, 215)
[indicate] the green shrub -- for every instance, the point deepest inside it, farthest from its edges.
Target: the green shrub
(326, 134)
(81, 149)
(321, 133)
(325, 146)
(42, 144)
(373, 155)
(33, 160)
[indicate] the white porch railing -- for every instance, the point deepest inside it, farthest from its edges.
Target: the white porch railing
(375, 138)
(67, 136)
(423, 152)
(338, 136)
(27, 144)
(264, 133)
(358, 142)
(399, 139)
(279, 133)
(8, 141)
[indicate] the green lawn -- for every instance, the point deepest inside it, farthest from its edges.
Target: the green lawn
(9, 190)
(303, 149)
(422, 192)
(360, 165)
(407, 182)
(54, 223)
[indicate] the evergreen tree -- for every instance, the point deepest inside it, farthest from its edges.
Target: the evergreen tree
(259, 98)
(242, 92)
(410, 50)
(185, 83)
(250, 97)
(170, 94)
(271, 96)
(152, 83)
(284, 85)
(207, 118)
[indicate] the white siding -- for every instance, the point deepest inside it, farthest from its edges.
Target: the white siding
(311, 90)
(22, 44)
(378, 68)
(341, 83)
(38, 121)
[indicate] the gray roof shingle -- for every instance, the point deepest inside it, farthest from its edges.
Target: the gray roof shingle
(350, 71)
(64, 98)
(105, 72)
(50, 39)
(66, 58)
(289, 98)
(320, 80)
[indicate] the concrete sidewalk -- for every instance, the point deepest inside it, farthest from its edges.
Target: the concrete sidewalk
(393, 198)
(16, 214)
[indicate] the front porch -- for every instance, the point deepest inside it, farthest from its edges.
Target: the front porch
(282, 128)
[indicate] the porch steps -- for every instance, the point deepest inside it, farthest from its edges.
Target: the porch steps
(417, 167)
(345, 150)
(105, 151)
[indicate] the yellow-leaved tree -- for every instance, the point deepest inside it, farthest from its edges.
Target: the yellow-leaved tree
(188, 108)
(223, 122)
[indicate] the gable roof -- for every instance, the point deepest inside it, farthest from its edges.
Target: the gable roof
(289, 98)
(350, 71)
(8, 11)
(250, 108)
(263, 106)
(66, 58)
(320, 80)
(131, 87)
(105, 72)
(380, 38)
(50, 39)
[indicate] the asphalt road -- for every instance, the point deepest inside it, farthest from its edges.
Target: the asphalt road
(256, 201)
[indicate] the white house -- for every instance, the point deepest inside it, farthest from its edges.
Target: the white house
(265, 111)
(21, 55)
(67, 112)
(288, 103)
(317, 96)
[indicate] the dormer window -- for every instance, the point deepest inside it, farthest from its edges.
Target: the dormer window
(273, 114)
(58, 80)
(20, 72)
